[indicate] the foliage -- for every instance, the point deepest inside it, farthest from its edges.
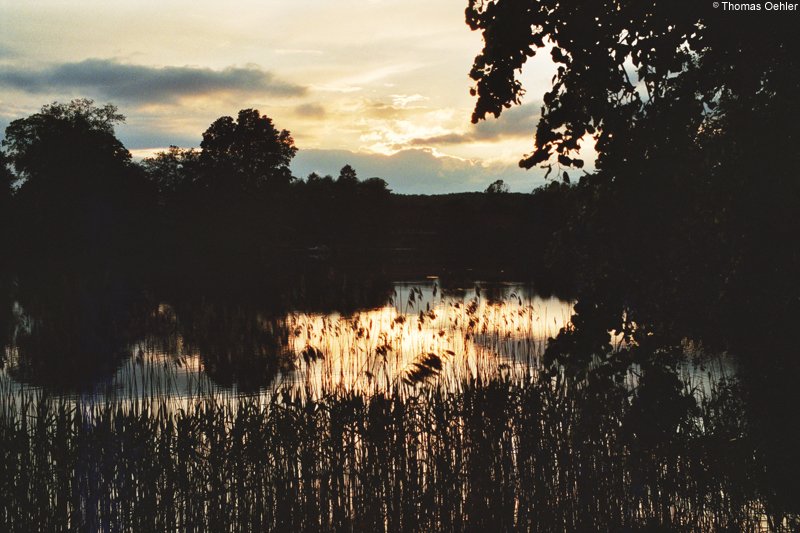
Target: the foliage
(77, 190)
(6, 180)
(246, 153)
(620, 61)
(173, 171)
(497, 187)
(347, 175)
(65, 138)
(6, 189)
(693, 113)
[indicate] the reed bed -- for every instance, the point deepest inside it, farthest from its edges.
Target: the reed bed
(431, 414)
(503, 455)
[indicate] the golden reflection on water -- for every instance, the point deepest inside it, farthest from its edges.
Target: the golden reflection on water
(386, 350)
(470, 335)
(421, 338)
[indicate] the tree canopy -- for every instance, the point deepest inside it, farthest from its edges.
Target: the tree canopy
(693, 111)
(621, 62)
(6, 180)
(62, 139)
(347, 175)
(246, 153)
(173, 171)
(497, 187)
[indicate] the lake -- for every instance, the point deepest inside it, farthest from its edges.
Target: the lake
(431, 404)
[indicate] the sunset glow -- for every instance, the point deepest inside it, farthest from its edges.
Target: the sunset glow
(381, 85)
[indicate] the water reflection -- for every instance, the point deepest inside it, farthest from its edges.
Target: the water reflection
(437, 402)
(424, 335)
(69, 328)
(420, 335)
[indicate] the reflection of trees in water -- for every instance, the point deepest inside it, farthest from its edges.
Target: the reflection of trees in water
(237, 345)
(7, 321)
(76, 323)
(747, 430)
(73, 332)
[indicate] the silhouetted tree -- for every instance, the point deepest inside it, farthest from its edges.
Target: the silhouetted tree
(375, 187)
(347, 176)
(174, 171)
(694, 113)
(247, 153)
(315, 180)
(497, 187)
(65, 141)
(694, 57)
(6, 181)
(347, 186)
(78, 188)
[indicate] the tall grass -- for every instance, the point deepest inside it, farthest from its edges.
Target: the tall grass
(430, 414)
(504, 455)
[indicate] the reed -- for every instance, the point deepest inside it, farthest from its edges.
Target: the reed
(433, 413)
(502, 455)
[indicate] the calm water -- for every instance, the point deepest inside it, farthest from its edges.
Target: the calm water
(430, 407)
(422, 335)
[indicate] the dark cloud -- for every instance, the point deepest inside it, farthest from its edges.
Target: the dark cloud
(417, 171)
(137, 83)
(310, 110)
(519, 121)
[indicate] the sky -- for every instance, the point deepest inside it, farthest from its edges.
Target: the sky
(381, 85)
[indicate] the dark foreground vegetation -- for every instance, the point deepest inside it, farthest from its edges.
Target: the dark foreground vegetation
(496, 456)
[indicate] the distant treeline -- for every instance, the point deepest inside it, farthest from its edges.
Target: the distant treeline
(70, 189)
(647, 242)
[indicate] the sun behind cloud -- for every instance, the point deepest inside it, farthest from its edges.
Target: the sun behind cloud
(376, 78)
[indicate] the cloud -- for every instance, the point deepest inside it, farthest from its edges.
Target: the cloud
(310, 110)
(519, 121)
(404, 100)
(6, 51)
(143, 84)
(418, 171)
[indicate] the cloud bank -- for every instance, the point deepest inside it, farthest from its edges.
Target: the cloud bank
(144, 84)
(518, 121)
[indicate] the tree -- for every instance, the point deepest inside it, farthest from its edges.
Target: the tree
(624, 68)
(173, 171)
(497, 187)
(347, 176)
(6, 188)
(694, 113)
(78, 187)
(247, 153)
(63, 139)
(6, 181)
(375, 187)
